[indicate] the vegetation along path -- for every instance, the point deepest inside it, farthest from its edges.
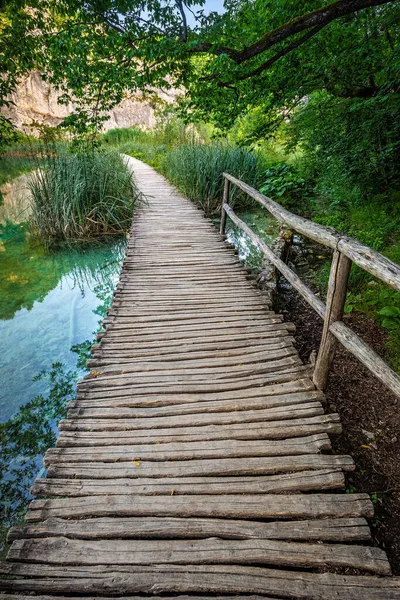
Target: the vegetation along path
(196, 458)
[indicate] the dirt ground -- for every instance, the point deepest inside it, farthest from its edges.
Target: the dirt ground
(370, 417)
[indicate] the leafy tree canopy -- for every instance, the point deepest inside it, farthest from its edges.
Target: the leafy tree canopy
(257, 53)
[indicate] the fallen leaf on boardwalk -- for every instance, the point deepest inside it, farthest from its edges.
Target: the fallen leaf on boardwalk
(95, 373)
(240, 365)
(172, 492)
(137, 463)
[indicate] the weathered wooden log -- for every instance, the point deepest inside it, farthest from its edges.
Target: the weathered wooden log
(336, 298)
(67, 551)
(268, 277)
(264, 506)
(225, 200)
(220, 467)
(318, 480)
(340, 530)
(211, 580)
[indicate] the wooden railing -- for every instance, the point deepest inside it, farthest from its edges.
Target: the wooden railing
(345, 252)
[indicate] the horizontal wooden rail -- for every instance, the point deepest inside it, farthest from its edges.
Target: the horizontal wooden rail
(346, 250)
(368, 259)
(290, 275)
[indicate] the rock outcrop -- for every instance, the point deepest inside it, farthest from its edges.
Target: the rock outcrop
(36, 100)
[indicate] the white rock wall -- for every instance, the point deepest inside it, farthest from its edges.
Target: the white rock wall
(36, 100)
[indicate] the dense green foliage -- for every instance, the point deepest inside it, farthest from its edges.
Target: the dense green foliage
(356, 142)
(81, 197)
(282, 181)
(268, 54)
(124, 135)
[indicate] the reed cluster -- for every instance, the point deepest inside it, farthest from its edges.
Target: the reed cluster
(197, 170)
(122, 135)
(81, 198)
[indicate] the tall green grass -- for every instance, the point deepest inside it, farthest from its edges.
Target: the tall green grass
(114, 137)
(197, 170)
(169, 131)
(82, 198)
(153, 154)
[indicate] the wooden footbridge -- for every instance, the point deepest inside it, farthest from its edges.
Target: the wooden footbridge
(195, 462)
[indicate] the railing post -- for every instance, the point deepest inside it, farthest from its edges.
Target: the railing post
(335, 301)
(225, 200)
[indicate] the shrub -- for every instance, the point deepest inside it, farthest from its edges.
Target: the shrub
(381, 303)
(79, 198)
(350, 142)
(282, 183)
(197, 170)
(114, 137)
(148, 152)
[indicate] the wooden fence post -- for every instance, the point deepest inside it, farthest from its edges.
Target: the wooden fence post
(225, 200)
(335, 301)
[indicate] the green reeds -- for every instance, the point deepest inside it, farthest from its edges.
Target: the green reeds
(123, 135)
(82, 198)
(197, 170)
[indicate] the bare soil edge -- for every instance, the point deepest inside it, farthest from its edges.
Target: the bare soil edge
(370, 415)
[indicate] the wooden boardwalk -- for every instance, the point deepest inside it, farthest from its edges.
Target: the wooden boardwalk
(196, 459)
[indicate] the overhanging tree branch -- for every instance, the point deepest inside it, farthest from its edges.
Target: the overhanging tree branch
(315, 19)
(266, 65)
(184, 21)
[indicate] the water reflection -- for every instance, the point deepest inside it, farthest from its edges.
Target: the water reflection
(305, 256)
(46, 306)
(15, 200)
(265, 226)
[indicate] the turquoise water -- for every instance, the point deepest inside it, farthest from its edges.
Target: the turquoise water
(261, 222)
(46, 306)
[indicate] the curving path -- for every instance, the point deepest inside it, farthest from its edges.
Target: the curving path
(196, 459)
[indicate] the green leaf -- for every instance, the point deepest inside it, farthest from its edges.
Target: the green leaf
(389, 311)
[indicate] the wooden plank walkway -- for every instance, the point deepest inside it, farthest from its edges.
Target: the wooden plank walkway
(196, 458)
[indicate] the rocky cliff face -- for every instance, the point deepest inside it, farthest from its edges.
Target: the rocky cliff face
(36, 100)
